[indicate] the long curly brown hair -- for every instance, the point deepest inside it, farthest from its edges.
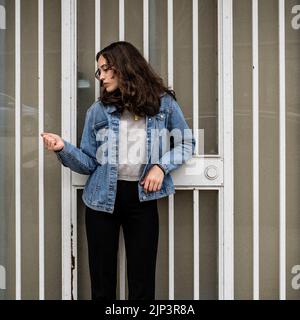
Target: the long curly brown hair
(140, 88)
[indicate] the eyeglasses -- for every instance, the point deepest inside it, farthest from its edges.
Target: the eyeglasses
(104, 68)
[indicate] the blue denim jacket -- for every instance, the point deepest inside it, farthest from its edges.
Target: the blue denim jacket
(100, 189)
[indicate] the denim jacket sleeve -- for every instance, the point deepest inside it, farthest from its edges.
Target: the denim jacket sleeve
(184, 142)
(81, 160)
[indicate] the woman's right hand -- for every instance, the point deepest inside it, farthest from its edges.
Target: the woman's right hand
(52, 142)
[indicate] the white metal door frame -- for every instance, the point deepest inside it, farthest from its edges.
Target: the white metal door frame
(226, 193)
(68, 103)
(222, 163)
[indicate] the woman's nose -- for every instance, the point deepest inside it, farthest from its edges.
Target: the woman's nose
(101, 76)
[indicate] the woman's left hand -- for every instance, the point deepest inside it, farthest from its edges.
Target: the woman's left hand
(153, 180)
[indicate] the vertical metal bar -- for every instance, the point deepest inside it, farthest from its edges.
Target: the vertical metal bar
(255, 99)
(146, 28)
(3, 120)
(195, 75)
(220, 79)
(282, 146)
(171, 247)
(41, 150)
(122, 255)
(18, 145)
(171, 197)
(73, 130)
(73, 73)
(170, 44)
(225, 109)
(97, 41)
(68, 100)
(196, 245)
(121, 20)
(195, 129)
(74, 237)
(221, 244)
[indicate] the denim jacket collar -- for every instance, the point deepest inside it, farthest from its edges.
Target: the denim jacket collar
(111, 108)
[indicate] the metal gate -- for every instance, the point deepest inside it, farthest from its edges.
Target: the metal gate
(232, 229)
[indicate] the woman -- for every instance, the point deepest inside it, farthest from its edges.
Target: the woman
(136, 117)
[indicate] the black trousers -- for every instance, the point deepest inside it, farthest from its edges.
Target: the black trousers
(140, 225)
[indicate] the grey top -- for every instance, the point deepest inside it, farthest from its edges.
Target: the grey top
(132, 147)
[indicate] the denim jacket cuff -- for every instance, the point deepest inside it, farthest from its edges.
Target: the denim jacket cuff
(65, 151)
(161, 167)
(164, 167)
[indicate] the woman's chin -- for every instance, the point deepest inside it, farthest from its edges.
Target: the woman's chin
(110, 89)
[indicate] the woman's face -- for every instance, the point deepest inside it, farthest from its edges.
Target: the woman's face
(109, 79)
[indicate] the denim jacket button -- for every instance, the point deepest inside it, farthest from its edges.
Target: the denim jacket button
(144, 197)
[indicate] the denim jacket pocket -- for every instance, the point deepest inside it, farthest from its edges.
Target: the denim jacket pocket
(101, 124)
